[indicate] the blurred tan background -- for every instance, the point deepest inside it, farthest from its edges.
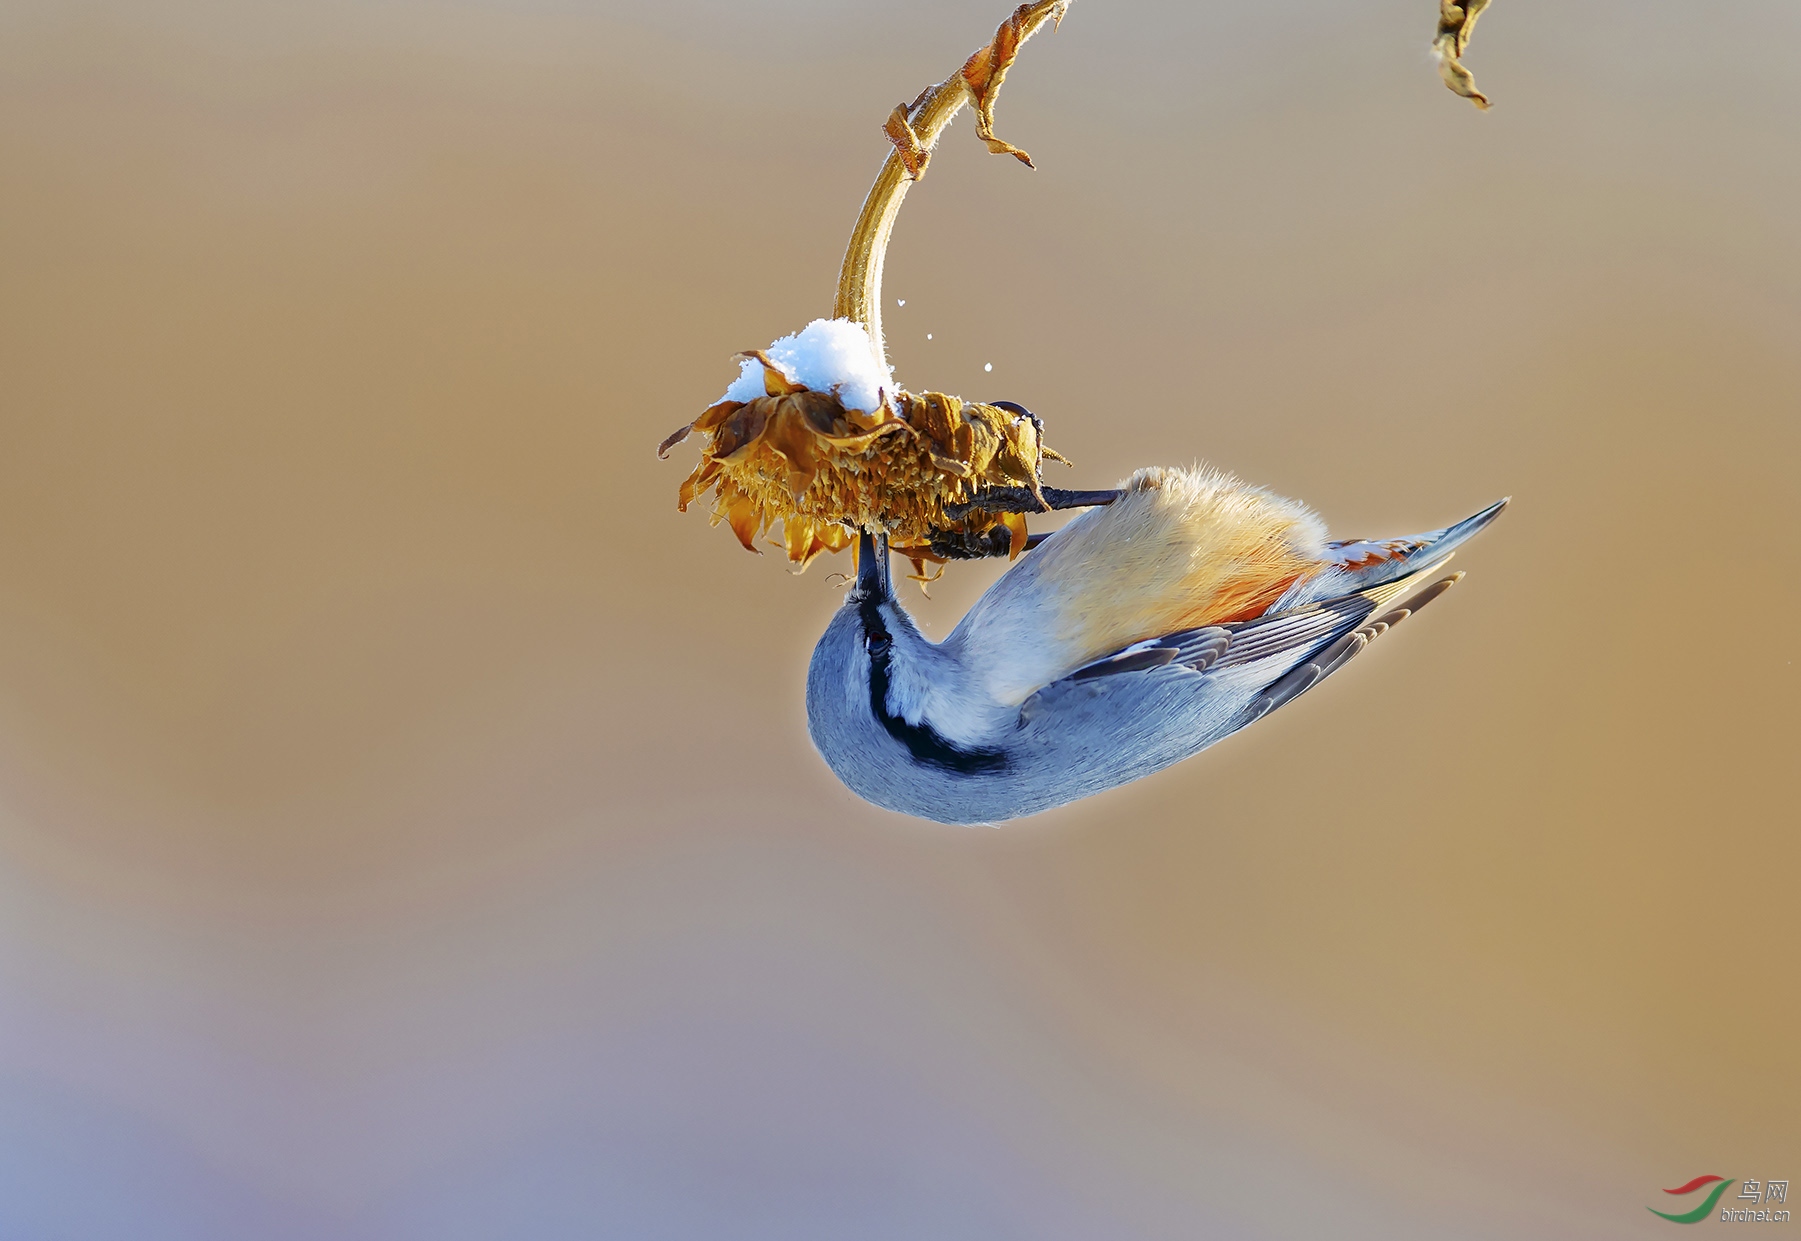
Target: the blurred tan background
(407, 823)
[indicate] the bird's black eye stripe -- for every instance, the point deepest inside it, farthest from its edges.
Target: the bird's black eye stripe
(925, 743)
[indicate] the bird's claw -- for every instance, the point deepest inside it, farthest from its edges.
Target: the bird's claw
(1022, 500)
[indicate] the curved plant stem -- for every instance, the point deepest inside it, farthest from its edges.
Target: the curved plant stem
(914, 130)
(860, 279)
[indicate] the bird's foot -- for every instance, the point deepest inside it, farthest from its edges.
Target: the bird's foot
(1022, 500)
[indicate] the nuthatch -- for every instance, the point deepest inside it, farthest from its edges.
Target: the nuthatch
(1139, 634)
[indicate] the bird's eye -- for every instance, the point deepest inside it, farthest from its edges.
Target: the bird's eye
(877, 645)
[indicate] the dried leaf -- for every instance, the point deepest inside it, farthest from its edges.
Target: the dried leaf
(1455, 22)
(984, 72)
(906, 142)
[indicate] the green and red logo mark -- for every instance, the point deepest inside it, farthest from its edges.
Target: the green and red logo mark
(1752, 1191)
(1701, 1212)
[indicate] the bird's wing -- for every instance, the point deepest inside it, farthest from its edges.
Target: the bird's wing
(1259, 664)
(1178, 550)
(1153, 703)
(1326, 660)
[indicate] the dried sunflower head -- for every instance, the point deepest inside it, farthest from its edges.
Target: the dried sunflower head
(814, 459)
(820, 439)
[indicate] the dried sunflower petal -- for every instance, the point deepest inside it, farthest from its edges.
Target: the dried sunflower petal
(741, 513)
(697, 482)
(1016, 533)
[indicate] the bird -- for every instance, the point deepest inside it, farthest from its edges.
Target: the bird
(1146, 629)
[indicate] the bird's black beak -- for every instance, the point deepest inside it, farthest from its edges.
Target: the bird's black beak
(873, 582)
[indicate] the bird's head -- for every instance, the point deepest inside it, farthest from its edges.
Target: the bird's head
(861, 649)
(882, 700)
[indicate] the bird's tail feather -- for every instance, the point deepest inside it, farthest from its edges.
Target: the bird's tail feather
(1357, 564)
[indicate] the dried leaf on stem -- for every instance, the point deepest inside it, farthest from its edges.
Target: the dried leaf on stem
(1455, 22)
